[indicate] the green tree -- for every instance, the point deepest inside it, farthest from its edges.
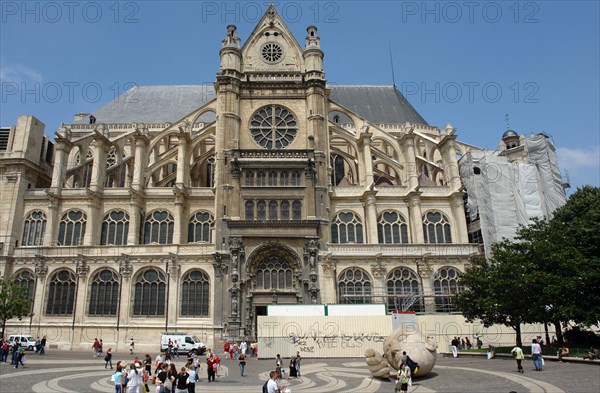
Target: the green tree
(499, 290)
(14, 301)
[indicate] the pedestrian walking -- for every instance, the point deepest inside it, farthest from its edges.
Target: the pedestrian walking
(298, 360)
(517, 352)
(242, 360)
(536, 354)
(96, 348)
(108, 358)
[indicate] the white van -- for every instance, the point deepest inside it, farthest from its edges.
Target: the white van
(187, 342)
(26, 341)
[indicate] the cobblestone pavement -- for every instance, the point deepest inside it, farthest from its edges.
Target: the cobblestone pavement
(69, 372)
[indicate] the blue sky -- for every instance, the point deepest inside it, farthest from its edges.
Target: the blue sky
(467, 63)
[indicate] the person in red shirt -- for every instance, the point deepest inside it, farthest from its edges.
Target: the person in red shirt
(226, 349)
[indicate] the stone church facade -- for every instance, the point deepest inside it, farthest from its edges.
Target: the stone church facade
(192, 208)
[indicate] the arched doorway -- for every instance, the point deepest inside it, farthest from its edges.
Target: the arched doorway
(274, 277)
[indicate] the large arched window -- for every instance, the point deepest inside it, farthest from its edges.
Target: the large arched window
(297, 210)
(354, 286)
(249, 211)
(273, 210)
(403, 291)
(71, 229)
(34, 229)
(274, 273)
(285, 210)
(150, 294)
(158, 227)
(194, 294)
(436, 228)
(115, 228)
(346, 227)
(200, 228)
(104, 293)
(445, 287)
(25, 279)
(61, 293)
(261, 210)
(392, 228)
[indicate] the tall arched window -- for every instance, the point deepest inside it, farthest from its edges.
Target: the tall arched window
(445, 287)
(61, 293)
(71, 229)
(104, 293)
(34, 229)
(354, 286)
(200, 228)
(297, 210)
(346, 227)
(115, 228)
(274, 273)
(25, 278)
(337, 163)
(210, 172)
(194, 294)
(285, 210)
(436, 228)
(150, 294)
(261, 210)
(392, 228)
(273, 210)
(403, 291)
(249, 210)
(158, 227)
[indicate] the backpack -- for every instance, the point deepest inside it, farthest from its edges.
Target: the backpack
(265, 389)
(414, 366)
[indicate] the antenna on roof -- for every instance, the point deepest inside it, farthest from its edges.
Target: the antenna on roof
(506, 118)
(392, 65)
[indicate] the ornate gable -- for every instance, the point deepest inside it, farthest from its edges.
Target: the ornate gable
(272, 47)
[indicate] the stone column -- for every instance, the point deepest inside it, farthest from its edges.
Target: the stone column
(448, 152)
(416, 219)
(41, 271)
(99, 148)
(125, 300)
(235, 250)
(425, 271)
(410, 164)
(173, 269)
(82, 271)
(181, 219)
(460, 232)
(140, 161)
(371, 217)
(52, 222)
(61, 152)
(183, 161)
(365, 140)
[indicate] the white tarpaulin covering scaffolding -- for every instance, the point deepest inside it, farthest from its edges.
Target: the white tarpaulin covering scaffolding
(508, 194)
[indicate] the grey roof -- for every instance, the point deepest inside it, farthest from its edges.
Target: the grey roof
(161, 104)
(378, 104)
(155, 104)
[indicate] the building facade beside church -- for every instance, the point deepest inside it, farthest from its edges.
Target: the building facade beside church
(192, 208)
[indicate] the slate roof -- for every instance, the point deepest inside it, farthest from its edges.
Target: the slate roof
(161, 104)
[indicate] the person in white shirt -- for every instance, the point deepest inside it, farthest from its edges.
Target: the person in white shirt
(243, 347)
(536, 354)
(135, 379)
(271, 384)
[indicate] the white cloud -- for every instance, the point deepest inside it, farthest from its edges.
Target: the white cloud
(18, 73)
(579, 158)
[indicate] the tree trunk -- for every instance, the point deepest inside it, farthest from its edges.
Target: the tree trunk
(518, 331)
(547, 335)
(559, 334)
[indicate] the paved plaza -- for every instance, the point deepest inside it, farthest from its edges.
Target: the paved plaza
(69, 372)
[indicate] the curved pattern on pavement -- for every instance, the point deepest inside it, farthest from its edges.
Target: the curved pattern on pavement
(347, 377)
